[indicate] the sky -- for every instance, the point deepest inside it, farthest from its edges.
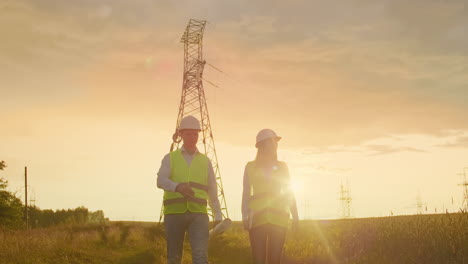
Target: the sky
(368, 93)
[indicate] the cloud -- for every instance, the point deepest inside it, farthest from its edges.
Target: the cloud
(390, 144)
(320, 75)
(458, 142)
(82, 54)
(348, 80)
(429, 27)
(57, 35)
(385, 149)
(374, 149)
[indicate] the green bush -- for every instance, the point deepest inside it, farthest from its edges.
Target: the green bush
(11, 208)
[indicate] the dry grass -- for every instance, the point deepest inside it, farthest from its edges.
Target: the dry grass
(403, 239)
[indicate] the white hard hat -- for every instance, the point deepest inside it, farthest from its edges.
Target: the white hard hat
(266, 134)
(189, 122)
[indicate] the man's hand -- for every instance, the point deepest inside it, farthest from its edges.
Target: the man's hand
(185, 190)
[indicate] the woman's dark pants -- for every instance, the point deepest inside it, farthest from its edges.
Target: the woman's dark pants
(267, 243)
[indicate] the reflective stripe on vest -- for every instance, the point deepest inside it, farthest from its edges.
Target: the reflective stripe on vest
(269, 200)
(196, 175)
(185, 200)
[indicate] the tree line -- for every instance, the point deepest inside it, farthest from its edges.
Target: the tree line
(12, 212)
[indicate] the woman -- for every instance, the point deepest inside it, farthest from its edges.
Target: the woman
(267, 200)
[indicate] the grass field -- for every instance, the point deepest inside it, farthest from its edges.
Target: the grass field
(400, 239)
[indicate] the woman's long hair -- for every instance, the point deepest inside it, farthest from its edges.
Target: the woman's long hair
(266, 153)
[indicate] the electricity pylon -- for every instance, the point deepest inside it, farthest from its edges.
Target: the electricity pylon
(193, 102)
(465, 190)
(345, 198)
(419, 204)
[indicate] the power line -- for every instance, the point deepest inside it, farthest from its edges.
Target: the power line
(212, 83)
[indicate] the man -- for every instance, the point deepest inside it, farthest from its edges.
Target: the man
(188, 180)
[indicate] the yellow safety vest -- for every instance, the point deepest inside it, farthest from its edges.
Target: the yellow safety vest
(196, 175)
(269, 200)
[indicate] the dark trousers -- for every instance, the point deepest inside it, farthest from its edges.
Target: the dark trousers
(267, 243)
(196, 225)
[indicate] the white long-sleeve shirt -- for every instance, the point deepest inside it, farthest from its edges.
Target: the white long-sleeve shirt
(164, 182)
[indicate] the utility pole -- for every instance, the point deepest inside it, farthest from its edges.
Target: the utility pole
(26, 197)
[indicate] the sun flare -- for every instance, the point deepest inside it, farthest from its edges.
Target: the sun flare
(296, 186)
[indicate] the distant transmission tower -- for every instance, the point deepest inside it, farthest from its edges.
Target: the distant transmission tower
(32, 199)
(306, 210)
(193, 102)
(345, 198)
(419, 204)
(464, 184)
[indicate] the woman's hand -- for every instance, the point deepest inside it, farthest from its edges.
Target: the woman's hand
(246, 224)
(295, 226)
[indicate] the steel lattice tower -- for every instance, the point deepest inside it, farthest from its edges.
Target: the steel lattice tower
(464, 184)
(419, 204)
(193, 102)
(345, 198)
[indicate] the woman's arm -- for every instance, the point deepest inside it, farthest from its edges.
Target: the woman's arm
(292, 198)
(293, 208)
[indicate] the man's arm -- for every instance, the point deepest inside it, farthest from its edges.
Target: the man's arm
(246, 192)
(213, 194)
(164, 173)
(245, 195)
